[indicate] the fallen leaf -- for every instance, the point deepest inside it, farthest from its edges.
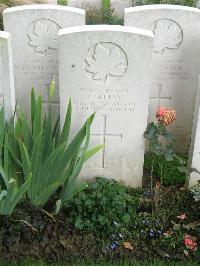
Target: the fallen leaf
(127, 245)
(181, 216)
(167, 233)
(185, 252)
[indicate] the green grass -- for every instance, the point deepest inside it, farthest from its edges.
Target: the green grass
(122, 263)
(106, 4)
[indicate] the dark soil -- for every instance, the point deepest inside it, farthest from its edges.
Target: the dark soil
(41, 236)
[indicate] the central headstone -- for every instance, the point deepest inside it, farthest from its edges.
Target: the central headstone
(7, 93)
(176, 63)
(34, 31)
(108, 72)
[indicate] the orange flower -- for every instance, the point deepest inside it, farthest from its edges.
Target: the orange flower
(190, 242)
(165, 115)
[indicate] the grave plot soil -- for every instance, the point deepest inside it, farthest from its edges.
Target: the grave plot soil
(35, 234)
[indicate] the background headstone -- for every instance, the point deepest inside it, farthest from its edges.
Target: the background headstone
(175, 65)
(50, 2)
(7, 93)
(118, 7)
(194, 155)
(34, 32)
(85, 4)
(108, 72)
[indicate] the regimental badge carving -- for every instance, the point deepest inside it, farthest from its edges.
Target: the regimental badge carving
(105, 62)
(168, 35)
(43, 36)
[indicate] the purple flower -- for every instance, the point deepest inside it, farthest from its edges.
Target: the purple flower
(151, 235)
(147, 194)
(114, 245)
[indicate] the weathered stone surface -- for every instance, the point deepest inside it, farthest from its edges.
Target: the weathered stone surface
(176, 64)
(7, 94)
(85, 4)
(194, 154)
(50, 2)
(108, 72)
(34, 31)
(118, 7)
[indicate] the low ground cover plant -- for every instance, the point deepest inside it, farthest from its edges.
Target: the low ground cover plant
(104, 204)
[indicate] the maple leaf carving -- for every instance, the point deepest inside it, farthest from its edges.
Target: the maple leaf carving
(168, 35)
(107, 60)
(43, 36)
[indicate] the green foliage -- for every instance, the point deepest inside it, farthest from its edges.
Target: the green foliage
(39, 158)
(12, 194)
(12, 189)
(105, 206)
(48, 157)
(62, 2)
(169, 172)
(171, 2)
(103, 16)
(153, 133)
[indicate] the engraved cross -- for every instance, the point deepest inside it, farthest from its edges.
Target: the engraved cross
(159, 97)
(46, 99)
(103, 137)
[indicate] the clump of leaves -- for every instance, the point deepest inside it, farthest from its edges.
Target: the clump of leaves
(103, 16)
(38, 158)
(161, 160)
(154, 131)
(171, 2)
(47, 155)
(105, 207)
(168, 172)
(12, 188)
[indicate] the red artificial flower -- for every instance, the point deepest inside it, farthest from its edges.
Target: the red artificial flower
(190, 242)
(165, 115)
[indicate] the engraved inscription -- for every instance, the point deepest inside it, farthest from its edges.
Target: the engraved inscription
(172, 70)
(104, 100)
(103, 137)
(42, 36)
(37, 69)
(105, 62)
(168, 35)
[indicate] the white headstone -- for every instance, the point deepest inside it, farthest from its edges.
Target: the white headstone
(176, 63)
(108, 72)
(85, 4)
(194, 154)
(118, 7)
(51, 2)
(7, 93)
(34, 31)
